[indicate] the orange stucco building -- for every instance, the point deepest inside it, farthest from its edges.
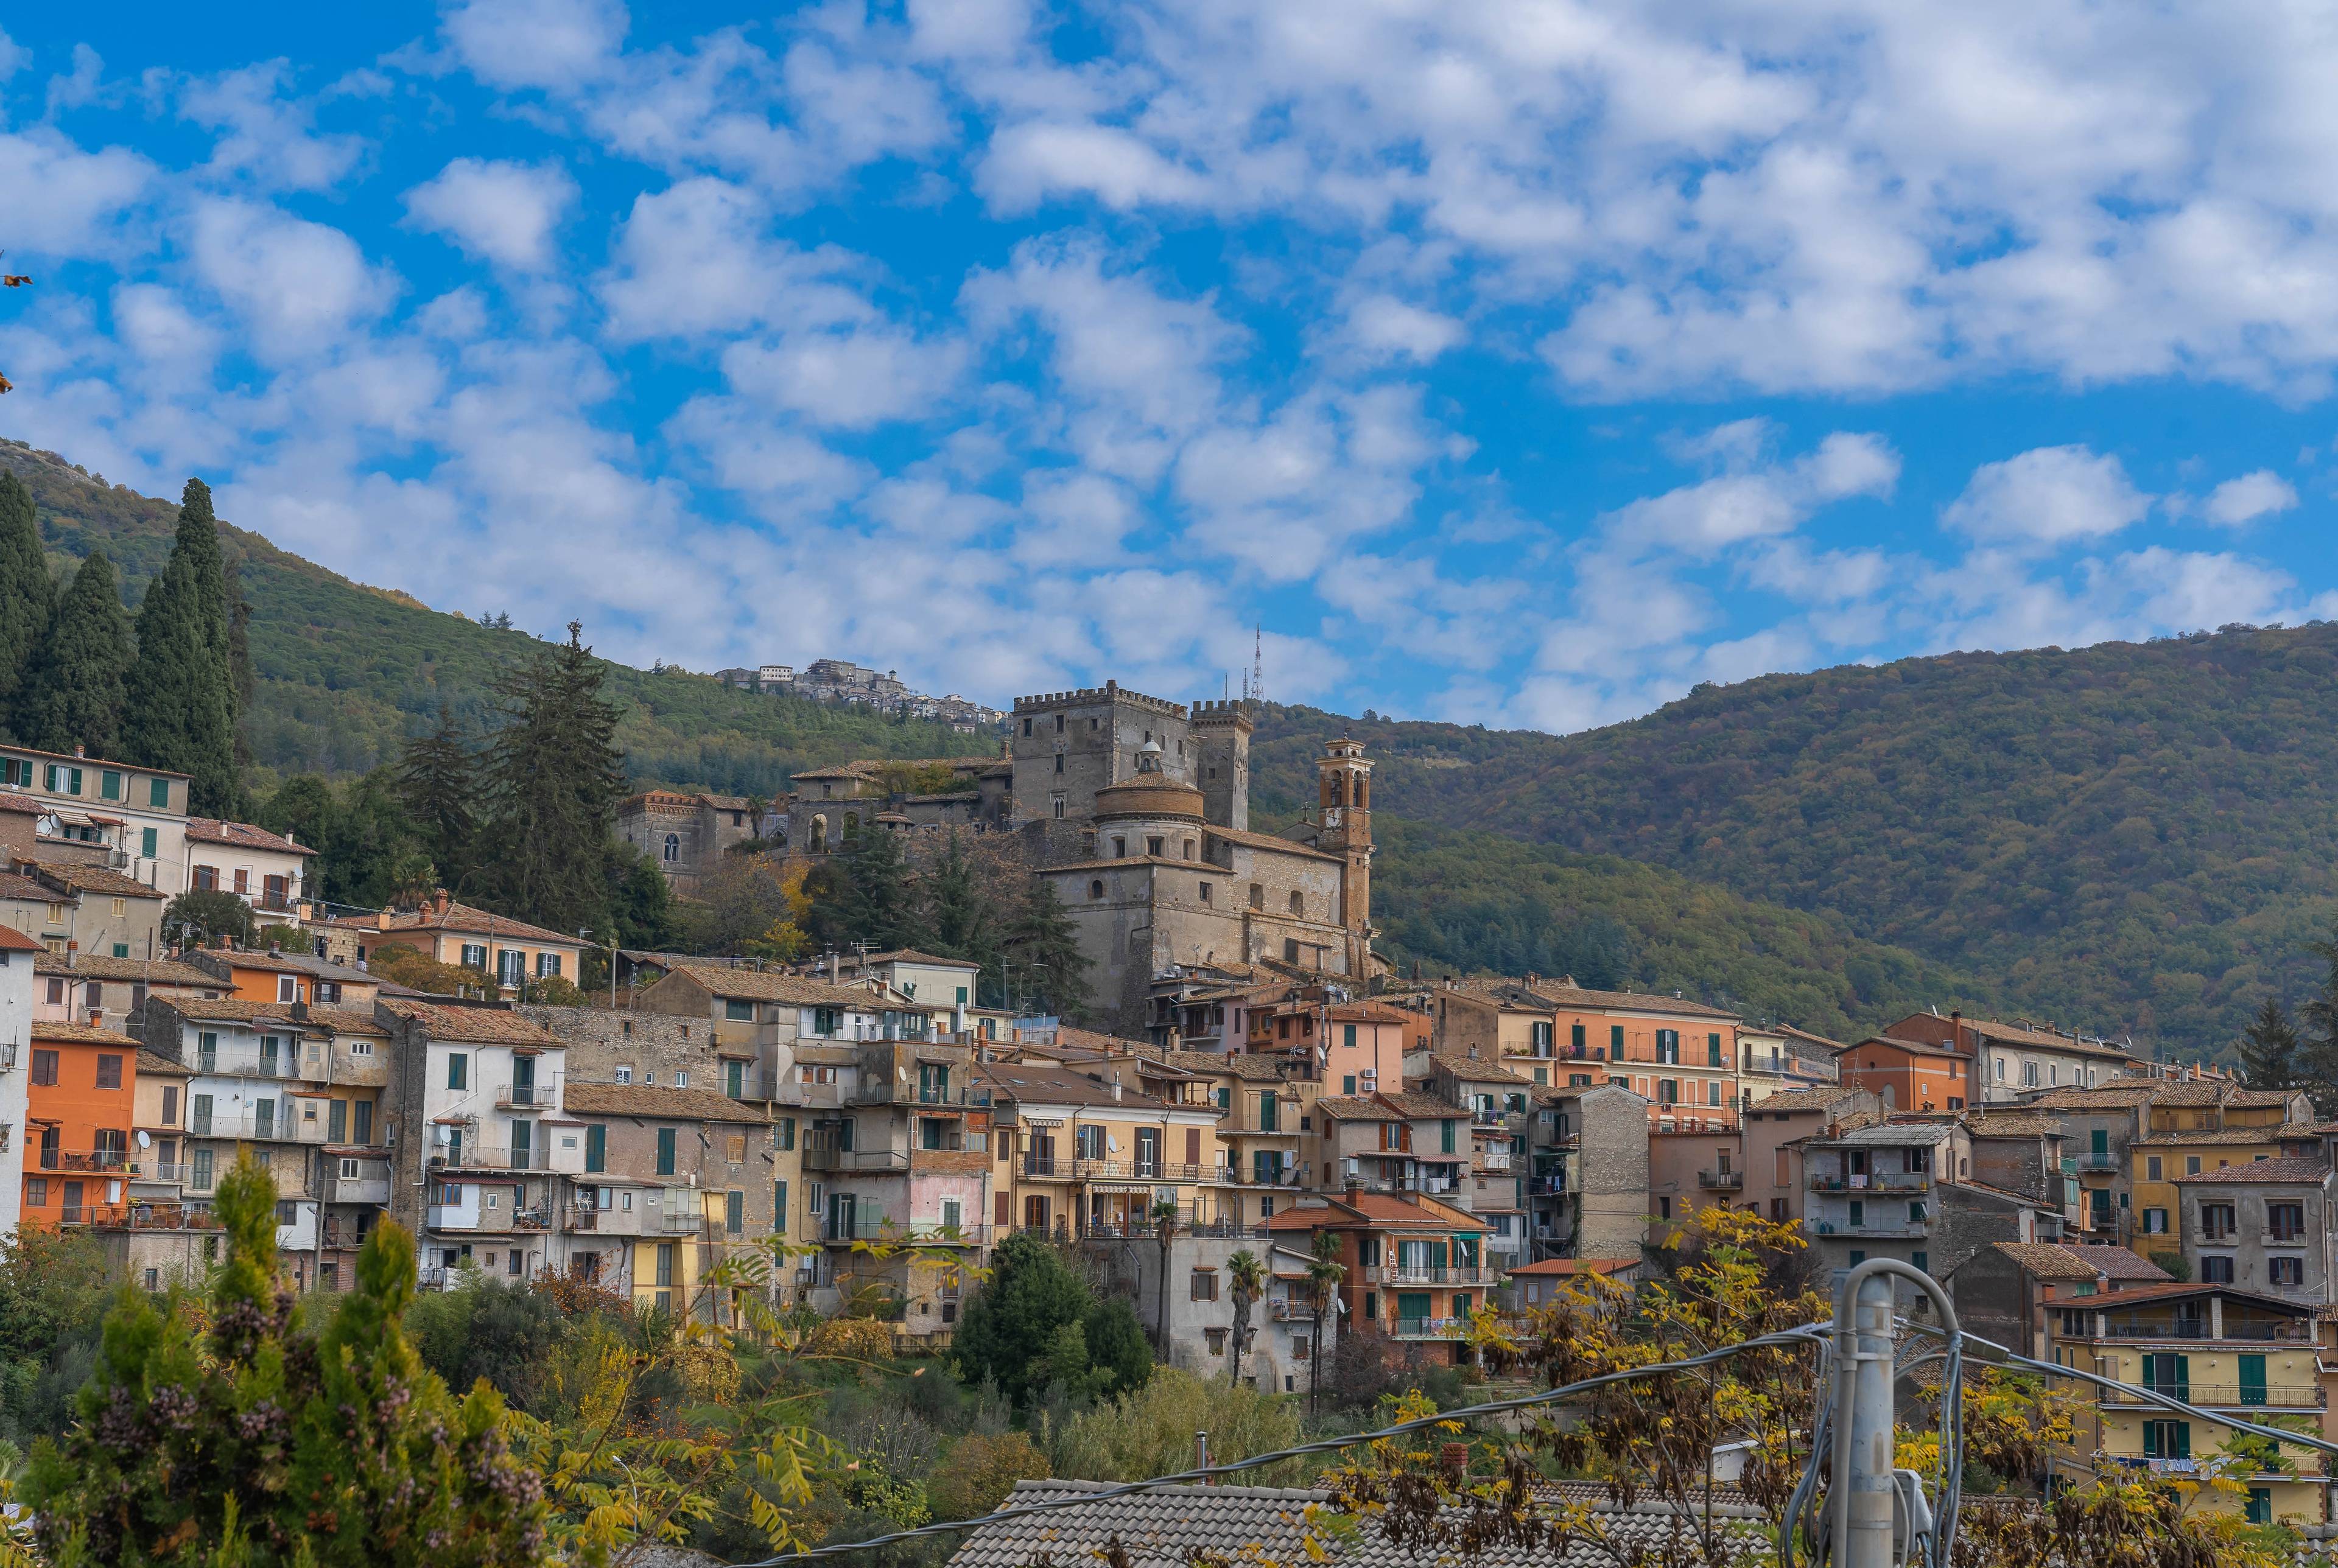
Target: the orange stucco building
(1909, 1076)
(80, 1092)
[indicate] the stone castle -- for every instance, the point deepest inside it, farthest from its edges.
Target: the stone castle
(1134, 809)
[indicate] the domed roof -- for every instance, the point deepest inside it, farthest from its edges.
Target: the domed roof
(1149, 794)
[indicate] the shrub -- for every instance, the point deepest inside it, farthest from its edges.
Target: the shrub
(1014, 1321)
(1149, 1431)
(980, 1471)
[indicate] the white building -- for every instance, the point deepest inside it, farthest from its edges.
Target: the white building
(86, 809)
(16, 953)
(266, 870)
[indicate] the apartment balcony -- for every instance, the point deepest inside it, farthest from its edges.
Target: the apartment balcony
(917, 1233)
(2191, 1329)
(494, 1157)
(1045, 1168)
(141, 1216)
(2091, 1164)
(1493, 1159)
(159, 1170)
(1872, 1230)
(1427, 1274)
(102, 1162)
(821, 1157)
(210, 1064)
(449, 1217)
(1428, 1327)
(1142, 1170)
(1879, 1182)
(2225, 1395)
(342, 1235)
(1509, 1246)
(528, 1096)
(1722, 1180)
(2301, 1467)
(1546, 1186)
(249, 1129)
(1282, 1309)
(357, 1190)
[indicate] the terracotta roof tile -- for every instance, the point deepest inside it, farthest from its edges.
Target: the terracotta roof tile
(79, 1034)
(14, 941)
(1413, 1102)
(154, 1063)
(1819, 1097)
(654, 1104)
(1568, 1267)
(2121, 1263)
(242, 835)
(100, 879)
(481, 1025)
(2303, 1171)
(1028, 1085)
(1249, 1067)
(1470, 1070)
(347, 1020)
(457, 917)
(152, 971)
(770, 985)
(2048, 1262)
(1355, 1108)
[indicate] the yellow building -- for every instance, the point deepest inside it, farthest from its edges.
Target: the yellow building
(1082, 1155)
(2256, 1357)
(2194, 1128)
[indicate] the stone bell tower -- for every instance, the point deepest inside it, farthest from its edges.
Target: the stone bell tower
(1344, 792)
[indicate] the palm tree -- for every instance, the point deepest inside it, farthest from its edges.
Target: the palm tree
(1325, 1272)
(1165, 1231)
(1249, 1278)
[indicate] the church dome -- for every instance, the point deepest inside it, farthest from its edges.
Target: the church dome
(1148, 795)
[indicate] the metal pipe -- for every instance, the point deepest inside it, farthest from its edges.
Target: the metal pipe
(1865, 1541)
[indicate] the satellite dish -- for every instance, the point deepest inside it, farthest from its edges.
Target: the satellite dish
(439, 1134)
(144, 1141)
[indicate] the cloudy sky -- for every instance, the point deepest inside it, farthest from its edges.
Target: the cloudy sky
(1523, 363)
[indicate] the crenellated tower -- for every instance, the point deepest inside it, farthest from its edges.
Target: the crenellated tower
(1344, 794)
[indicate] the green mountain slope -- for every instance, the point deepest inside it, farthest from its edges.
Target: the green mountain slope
(346, 672)
(2130, 836)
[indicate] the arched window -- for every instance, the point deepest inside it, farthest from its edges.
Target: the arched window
(672, 848)
(1299, 904)
(1095, 888)
(820, 834)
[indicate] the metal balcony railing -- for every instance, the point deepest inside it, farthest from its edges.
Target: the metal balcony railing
(2198, 1328)
(1722, 1180)
(2225, 1395)
(1429, 1328)
(494, 1157)
(96, 1160)
(1430, 1274)
(526, 1096)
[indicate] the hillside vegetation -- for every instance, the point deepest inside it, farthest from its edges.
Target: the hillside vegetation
(347, 672)
(2128, 836)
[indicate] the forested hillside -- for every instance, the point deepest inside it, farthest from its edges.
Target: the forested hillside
(2130, 836)
(347, 672)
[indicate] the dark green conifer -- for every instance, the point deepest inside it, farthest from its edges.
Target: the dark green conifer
(438, 781)
(554, 780)
(1045, 948)
(28, 596)
(878, 903)
(180, 709)
(71, 694)
(2269, 1049)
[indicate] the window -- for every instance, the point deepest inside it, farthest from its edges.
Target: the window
(170, 1104)
(1347, 1084)
(547, 964)
(146, 843)
(672, 848)
(2286, 1220)
(734, 1212)
(780, 1205)
(1095, 887)
(207, 878)
(665, 1151)
(737, 1012)
(44, 1066)
(2154, 1221)
(596, 1147)
(2151, 1168)
(37, 1191)
(1922, 1260)
(1206, 892)
(1257, 896)
(511, 966)
(458, 1070)
(475, 956)
(362, 1121)
(1290, 950)
(1712, 1051)
(664, 1263)
(2168, 1440)
(2215, 1270)
(202, 1165)
(286, 989)
(1299, 904)
(2287, 1270)
(158, 793)
(2191, 1164)
(198, 1108)
(63, 780)
(2215, 1221)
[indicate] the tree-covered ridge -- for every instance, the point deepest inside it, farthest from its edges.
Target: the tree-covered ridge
(2128, 836)
(345, 672)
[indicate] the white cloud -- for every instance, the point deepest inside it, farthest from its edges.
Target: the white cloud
(1387, 326)
(549, 44)
(301, 287)
(699, 259)
(496, 210)
(847, 379)
(1757, 502)
(2046, 498)
(2243, 500)
(63, 201)
(267, 133)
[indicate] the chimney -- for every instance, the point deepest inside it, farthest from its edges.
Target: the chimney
(439, 900)
(1202, 1457)
(81, 751)
(1453, 1458)
(381, 920)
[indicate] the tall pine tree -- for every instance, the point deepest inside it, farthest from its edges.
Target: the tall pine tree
(554, 780)
(71, 694)
(2317, 1055)
(958, 923)
(2269, 1049)
(1047, 947)
(182, 706)
(438, 781)
(27, 598)
(878, 903)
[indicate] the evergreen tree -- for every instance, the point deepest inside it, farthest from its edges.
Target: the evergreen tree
(878, 902)
(554, 781)
(71, 693)
(180, 709)
(28, 596)
(2317, 1056)
(1044, 944)
(437, 779)
(1029, 1298)
(2269, 1049)
(958, 918)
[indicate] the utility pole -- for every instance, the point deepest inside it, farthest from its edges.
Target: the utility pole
(1863, 1361)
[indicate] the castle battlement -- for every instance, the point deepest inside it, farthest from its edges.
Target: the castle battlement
(1110, 691)
(1226, 710)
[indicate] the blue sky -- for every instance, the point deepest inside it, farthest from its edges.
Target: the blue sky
(1522, 363)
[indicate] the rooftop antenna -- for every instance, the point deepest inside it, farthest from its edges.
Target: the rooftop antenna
(1257, 687)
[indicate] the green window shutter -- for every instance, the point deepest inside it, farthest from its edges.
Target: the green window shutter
(1713, 1050)
(734, 1079)
(2253, 1379)
(780, 1207)
(734, 1212)
(665, 1151)
(1445, 1137)
(2151, 1440)
(1614, 1042)
(596, 1148)
(1347, 1084)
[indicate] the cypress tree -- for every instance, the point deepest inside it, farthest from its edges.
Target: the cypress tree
(878, 904)
(180, 708)
(1044, 941)
(72, 695)
(438, 781)
(2269, 1049)
(27, 597)
(554, 780)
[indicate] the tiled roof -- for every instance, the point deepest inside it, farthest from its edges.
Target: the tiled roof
(346, 1021)
(79, 1034)
(25, 805)
(1376, 1209)
(1028, 1085)
(1819, 1097)
(12, 886)
(770, 985)
(1413, 1102)
(2048, 1262)
(2312, 1172)
(2013, 1124)
(2259, 1098)
(152, 971)
(2125, 1299)
(1166, 1527)
(1892, 1135)
(1269, 842)
(294, 963)
(2244, 1136)
(1564, 1267)
(99, 880)
(1094, 1040)
(1549, 995)
(14, 941)
(151, 1061)
(229, 1009)
(911, 956)
(1241, 1064)
(480, 1025)
(91, 761)
(457, 917)
(1913, 1047)
(1470, 1070)
(2022, 1035)
(2200, 1092)
(2120, 1263)
(242, 835)
(2112, 1096)
(657, 1105)
(1354, 1108)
